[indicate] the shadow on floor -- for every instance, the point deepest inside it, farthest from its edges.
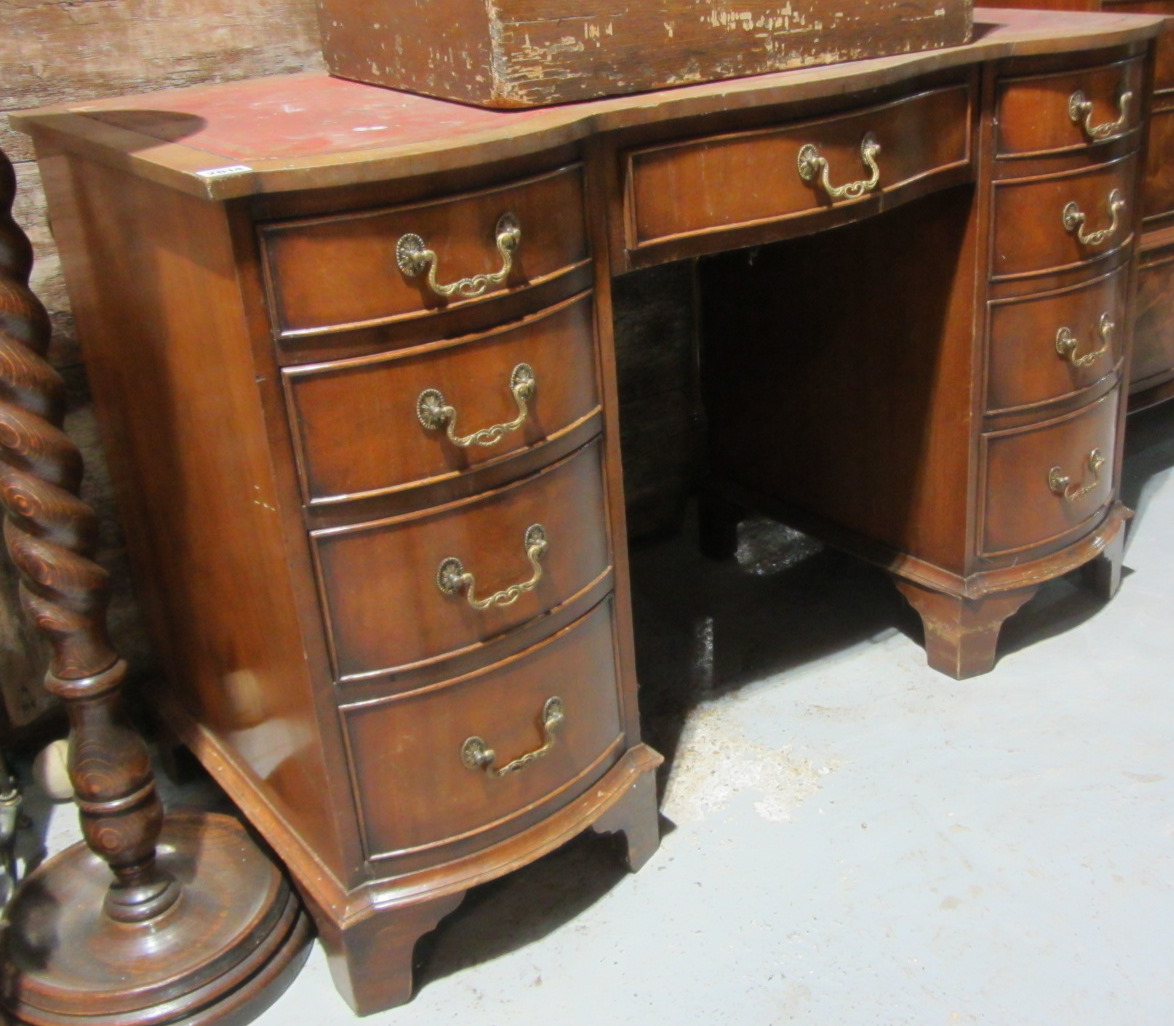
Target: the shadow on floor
(705, 629)
(1149, 452)
(523, 907)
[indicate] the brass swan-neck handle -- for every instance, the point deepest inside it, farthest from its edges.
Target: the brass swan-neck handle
(436, 414)
(413, 258)
(812, 166)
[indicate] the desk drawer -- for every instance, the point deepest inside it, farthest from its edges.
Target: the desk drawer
(1055, 344)
(407, 753)
(1045, 224)
(346, 271)
(727, 181)
(380, 582)
(1049, 113)
(378, 424)
(1047, 480)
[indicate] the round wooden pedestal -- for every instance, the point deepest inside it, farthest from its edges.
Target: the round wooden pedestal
(229, 946)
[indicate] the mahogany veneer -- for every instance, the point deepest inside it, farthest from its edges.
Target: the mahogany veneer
(247, 268)
(1152, 371)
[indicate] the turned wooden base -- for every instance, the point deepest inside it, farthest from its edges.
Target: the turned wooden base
(224, 952)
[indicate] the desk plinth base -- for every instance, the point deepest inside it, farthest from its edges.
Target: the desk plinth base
(233, 942)
(369, 946)
(962, 617)
(961, 634)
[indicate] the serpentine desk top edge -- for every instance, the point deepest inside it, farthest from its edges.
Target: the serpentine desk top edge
(311, 130)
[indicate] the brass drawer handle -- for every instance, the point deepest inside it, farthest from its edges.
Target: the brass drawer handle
(414, 258)
(812, 164)
(1080, 111)
(451, 575)
(476, 754)
(1066, 343)
(435, 413)
(1074, 218)
(1061, 484)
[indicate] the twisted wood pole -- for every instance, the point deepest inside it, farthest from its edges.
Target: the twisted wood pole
(51, 535)
(81, 946)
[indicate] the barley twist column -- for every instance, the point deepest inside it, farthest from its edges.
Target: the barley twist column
(105, 931)
(51, 535)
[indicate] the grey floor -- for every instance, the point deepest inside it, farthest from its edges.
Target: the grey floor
(850, 839)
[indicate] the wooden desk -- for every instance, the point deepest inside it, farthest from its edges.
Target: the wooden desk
(352, 351)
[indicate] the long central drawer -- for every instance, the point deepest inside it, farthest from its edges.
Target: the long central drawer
(743, 178)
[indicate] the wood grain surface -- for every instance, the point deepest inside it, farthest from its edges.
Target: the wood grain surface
(1152, 376)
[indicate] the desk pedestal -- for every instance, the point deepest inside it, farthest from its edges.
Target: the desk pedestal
(843, 395)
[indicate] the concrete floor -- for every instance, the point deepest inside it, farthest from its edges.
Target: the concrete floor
(849, 838)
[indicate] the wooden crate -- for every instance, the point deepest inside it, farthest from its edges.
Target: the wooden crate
(527, 53)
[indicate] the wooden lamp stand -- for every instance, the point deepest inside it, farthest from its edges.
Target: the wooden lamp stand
(198, 925)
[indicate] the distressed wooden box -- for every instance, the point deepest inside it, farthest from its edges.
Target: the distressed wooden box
(527, 53)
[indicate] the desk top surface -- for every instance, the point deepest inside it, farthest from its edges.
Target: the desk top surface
(311, 130)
